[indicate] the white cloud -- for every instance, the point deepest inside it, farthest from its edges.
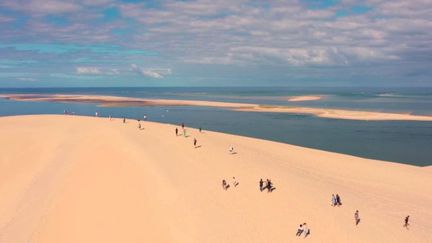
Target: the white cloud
(97, 71)
(157, 73)
(42, 6)
(88, 70)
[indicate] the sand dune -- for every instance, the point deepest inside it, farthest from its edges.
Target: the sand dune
(127, 101)
(83, 179)
(304, 98)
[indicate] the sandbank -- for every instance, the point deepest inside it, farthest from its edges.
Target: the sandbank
(304, 98)
(129, 101)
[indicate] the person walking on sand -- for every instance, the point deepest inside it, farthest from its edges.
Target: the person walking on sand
(299, 230)
(110, 117)
(139, 126)
(225, 185)
(338, 200)
(176, 131)
(96, 114)
(406, 222)
(145, 118)
(357, 217)
(261, 184)
(195, 142)
(124, 120)
(182, 125)
(200, 129)
(235, 182)
(184, 132)
(333, 200)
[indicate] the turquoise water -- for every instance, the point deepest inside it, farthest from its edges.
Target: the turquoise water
(407, 142)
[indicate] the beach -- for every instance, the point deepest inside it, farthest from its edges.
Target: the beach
(117, 101)
(81, 179)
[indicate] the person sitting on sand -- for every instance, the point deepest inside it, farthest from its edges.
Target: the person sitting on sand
(235, 182)
(406, 222)
(299, 230)
(269, 186)
(306, 230)
(357, 217)
(231, 149)
(261, 184)
(225, 185)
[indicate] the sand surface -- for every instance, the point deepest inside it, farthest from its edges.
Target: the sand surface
(304, 98)
(76, 179)
(128, 101)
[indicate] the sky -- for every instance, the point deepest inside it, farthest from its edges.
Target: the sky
(94, 43)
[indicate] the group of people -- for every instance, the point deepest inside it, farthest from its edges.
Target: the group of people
(303, 228)
(336, 201)
(265, 185)
(66, 112)
(226, 185)
(268, 184)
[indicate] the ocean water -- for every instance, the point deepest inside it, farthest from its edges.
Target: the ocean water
(408, 142)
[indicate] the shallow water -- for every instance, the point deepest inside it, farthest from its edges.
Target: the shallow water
(399, 141)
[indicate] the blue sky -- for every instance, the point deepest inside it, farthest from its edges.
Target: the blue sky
(215, 43)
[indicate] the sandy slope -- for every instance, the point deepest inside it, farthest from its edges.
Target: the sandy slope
(129, 101)
(82, 179)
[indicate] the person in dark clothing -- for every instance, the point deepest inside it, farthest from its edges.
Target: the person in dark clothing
(338, 200)
(124, 120)
(225, 185)
(299, 230)
(261, 184)
(176, 131)
(269, 186)
(195, 142)
(406, 222)
(200, 129)
(357, 217)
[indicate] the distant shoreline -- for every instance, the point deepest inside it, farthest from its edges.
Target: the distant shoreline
(116, 101)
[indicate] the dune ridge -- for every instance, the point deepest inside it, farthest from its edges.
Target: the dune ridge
(87, 179)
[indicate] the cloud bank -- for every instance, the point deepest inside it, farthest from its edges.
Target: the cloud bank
(381, 39)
